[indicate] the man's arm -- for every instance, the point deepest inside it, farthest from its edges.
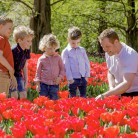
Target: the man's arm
(122, 87)
(111, 80)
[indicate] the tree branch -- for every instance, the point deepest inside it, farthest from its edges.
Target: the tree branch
(24, 4)
(56, 2)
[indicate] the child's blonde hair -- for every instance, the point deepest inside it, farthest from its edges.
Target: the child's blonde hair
(49, 40)
(4, 20)
(21, 32)
(74, 33)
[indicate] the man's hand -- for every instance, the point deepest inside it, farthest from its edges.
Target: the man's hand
(71, 81)
(99, 97)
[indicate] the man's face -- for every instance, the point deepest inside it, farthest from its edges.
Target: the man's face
(74, 43)
(108, 46)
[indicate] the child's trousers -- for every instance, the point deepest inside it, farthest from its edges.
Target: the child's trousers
(80, 84)
(4, 82)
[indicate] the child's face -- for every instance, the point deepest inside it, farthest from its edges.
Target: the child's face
(50, 51)
(74, 43)
(26, 42)
(6, 29)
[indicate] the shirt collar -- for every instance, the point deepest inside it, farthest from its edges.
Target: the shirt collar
(56, 54)
(19, 48)
(70, 48)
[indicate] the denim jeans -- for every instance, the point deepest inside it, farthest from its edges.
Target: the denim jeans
(50, 91)
(81, 84)
(131, 94)
(20, 85)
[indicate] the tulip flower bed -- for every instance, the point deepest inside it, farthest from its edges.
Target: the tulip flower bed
(97, 83)
(112, 117)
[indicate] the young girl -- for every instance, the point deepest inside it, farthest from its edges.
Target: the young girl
(50, 68)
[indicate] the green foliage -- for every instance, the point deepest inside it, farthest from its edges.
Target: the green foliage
(93, 91)
(5, 7)
(96, 59)
(87, 15)
(32, 94)
(75, 13)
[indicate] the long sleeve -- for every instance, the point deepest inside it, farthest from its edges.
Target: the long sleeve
(87, 65)
(62, 69)
(66, 62)
(38, 71)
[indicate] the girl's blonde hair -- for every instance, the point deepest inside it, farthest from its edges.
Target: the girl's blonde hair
(21, 32)
(47, 41)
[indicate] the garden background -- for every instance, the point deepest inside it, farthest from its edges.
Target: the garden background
(40, 117)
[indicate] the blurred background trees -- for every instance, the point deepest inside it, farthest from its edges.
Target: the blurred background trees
(91, 16)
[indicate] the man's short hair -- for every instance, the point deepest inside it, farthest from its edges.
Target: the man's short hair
(108, 33)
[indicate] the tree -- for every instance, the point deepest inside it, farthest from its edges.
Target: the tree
(40, 21)
(128, 20)
(132, 21)
(102, 24)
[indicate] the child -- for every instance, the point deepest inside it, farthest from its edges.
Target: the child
(21, 53)
(50, 68)
(7, 78)
(76, 63)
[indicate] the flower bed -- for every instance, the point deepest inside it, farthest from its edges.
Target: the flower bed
(97, 83)
(69, 118)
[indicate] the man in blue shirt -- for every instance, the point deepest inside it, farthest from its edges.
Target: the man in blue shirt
(76, 63)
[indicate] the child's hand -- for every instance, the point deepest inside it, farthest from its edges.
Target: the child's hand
(11, 72)
(86, 79)
(13, 84)
(71, 81)
(57, 80)
(38, 87)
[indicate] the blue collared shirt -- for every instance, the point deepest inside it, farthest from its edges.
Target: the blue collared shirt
(76, 62)
(20, 56)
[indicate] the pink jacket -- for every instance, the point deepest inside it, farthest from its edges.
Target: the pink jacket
(49, 68)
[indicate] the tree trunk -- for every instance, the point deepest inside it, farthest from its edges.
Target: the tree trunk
(132, 31)
(40, 22)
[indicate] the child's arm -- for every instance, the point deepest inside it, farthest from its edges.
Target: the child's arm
(38, 75)
(61, 72)
(66, 63)
(87, 64)
(25, 72)
(5, 63)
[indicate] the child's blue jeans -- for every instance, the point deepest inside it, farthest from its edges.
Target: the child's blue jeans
(50, 91)
(81, 84)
